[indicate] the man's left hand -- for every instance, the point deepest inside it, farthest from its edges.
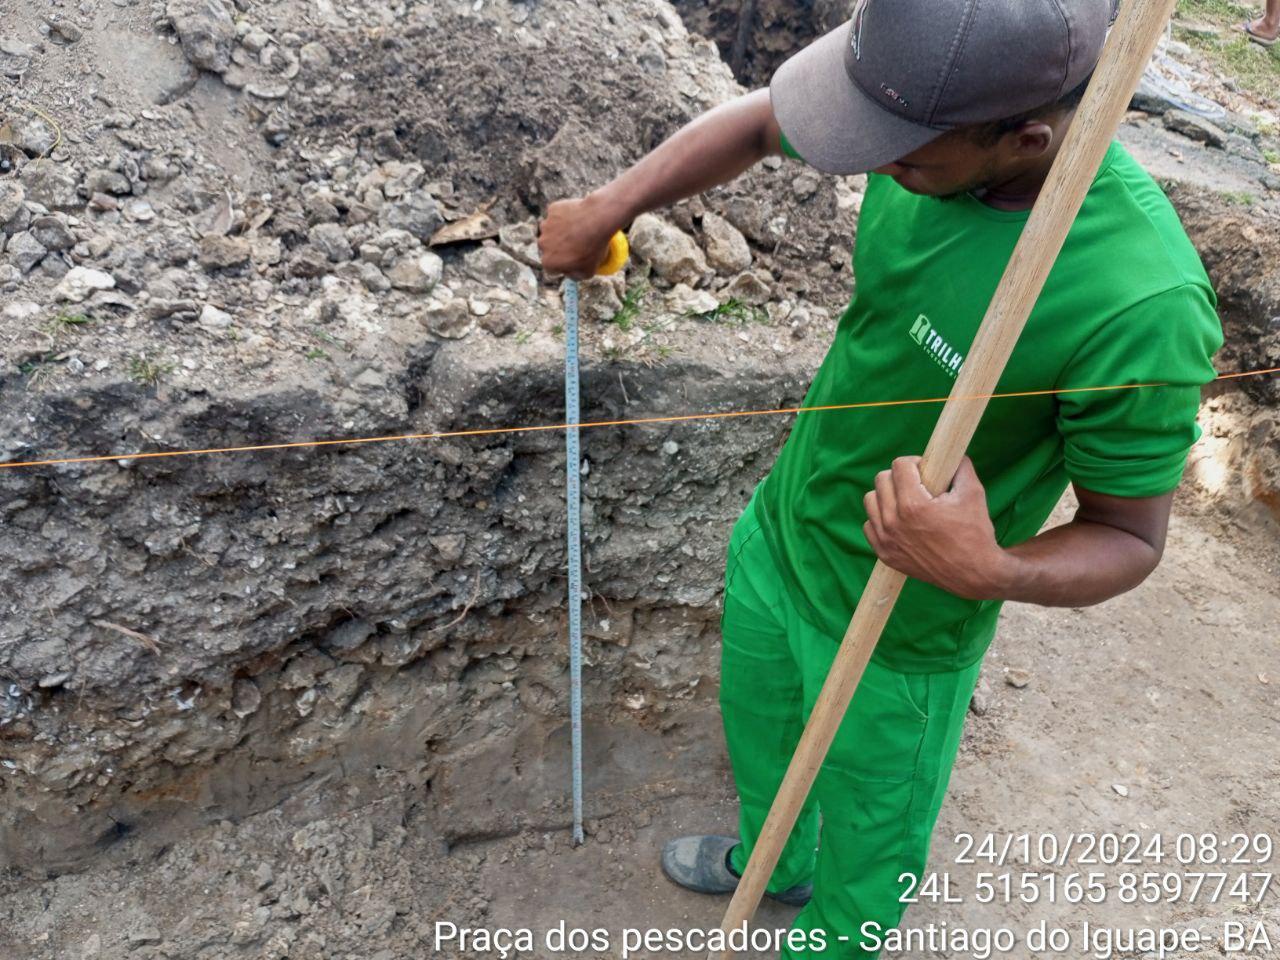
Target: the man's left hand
(947, 540)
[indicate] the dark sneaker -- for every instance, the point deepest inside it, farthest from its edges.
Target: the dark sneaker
(701, 864)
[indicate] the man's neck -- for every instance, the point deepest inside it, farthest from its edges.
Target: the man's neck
(1019, 188)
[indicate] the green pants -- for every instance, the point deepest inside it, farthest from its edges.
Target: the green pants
(873, 807)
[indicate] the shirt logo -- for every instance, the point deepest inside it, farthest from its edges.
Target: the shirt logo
(933, 343)
(856, 41)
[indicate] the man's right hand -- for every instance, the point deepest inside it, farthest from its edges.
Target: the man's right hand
(713, 149)
(574, 237)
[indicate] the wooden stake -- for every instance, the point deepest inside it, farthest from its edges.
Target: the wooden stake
(1125, 56)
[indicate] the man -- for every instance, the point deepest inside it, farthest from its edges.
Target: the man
(957, 109)
(1265, 30)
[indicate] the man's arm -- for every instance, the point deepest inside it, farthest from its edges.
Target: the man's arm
(711, 150)
(1109, 547)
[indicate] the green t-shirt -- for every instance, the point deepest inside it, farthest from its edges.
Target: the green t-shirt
(1127, 302)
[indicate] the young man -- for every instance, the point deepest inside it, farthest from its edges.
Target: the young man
(957, 109)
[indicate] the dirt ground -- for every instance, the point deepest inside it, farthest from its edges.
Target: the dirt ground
(1156, 713)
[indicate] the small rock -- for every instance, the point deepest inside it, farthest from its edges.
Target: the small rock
(479, 308)
(256, 40)
(25, 251)
(106, 181)
(11, 197)
(52, 233)
(670, 448)
(669, 250)
(308, 262)
(727, 249)
(213, 319)
(15, 58)
(805, 185)
(331, 240)
(374, 280)
(139, 210)
(416, 274)
(450, 319)
(263, 876)
(144, 936)
(50, 184)
(1196, 128)
(500, 323)
(417, 214)
(206, 32)
(80, 283)
(684, 299)
(449, 545)
(219, 253)
(521, 241)
(497, 268)
(1015, 677)
(63, 31)
(1121, 789)
(20, 310)
(600, 298)
(245, 698)
(752, 288)
(315, 57)
(32, 135)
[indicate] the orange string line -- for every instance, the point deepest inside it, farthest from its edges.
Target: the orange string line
(675, 418)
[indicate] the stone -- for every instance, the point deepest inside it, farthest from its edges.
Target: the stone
(670, 251)
(81, 282)
(497, 268)
(416, 274)
(315, 57)
(1018, 678)
(727, 249)
(50, 184)
(25, 251)
(331, 240)
(21, 310)
(521, 241)
(106, 181)
(450, 319)
(753, 288)
(245, 698)
(600, 298)
(500, 323)
(374, 280)
(256, 40)
(685, 300)
(11, 203)
(219, 253)
(52, 233)
(418, 214)
(213, 319)
(450, 546)
(206, 31)
(309, 262)
(33, 135)
(1195, 128)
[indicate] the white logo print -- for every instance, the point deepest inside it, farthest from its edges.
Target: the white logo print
(923, 333)
(856, 40)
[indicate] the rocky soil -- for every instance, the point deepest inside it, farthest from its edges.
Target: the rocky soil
(320, 692)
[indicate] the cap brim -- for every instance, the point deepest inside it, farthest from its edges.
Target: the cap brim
(827, 118)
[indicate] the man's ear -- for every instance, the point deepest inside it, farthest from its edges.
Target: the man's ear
(1033, 139)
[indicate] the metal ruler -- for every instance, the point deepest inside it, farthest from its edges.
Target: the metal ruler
(573, 500)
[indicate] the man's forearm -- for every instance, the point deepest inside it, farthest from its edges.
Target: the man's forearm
(1075, 565)
(709, 151)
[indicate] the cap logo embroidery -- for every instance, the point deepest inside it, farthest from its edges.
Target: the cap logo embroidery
(893, 94)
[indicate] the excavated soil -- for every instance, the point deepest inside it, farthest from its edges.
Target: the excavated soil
(310, 703)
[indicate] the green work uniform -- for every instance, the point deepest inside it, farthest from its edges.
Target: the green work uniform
(1126, 303)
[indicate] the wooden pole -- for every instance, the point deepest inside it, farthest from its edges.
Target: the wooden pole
(1125, 56)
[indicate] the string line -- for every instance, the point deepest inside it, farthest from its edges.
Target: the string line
(638, 421)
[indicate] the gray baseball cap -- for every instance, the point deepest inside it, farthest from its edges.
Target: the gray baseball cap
(903, 72)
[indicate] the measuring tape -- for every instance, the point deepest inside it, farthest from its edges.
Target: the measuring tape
(617, 256)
